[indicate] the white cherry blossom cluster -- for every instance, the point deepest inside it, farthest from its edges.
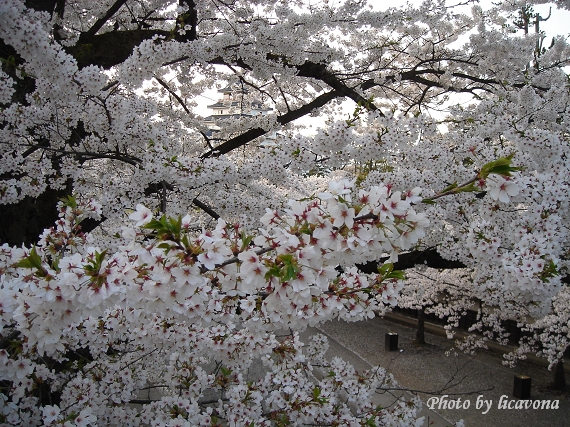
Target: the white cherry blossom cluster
(180, 310)
(548, 335)
(165, 290)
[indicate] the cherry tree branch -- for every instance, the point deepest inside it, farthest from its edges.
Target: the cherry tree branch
(174, 94)
(250, 135)
(206, 208)
(429, 257)
(101, 21)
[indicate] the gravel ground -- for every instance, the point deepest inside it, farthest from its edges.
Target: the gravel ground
(427, 368)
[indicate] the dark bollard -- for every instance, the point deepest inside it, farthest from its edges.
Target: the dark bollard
(391, 341)
(521, 390)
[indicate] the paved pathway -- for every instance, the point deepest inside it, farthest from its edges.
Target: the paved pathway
(427, 368)
(432, 419)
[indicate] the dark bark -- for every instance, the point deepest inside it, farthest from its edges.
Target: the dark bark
(320, 71)
(420, 331)
(43, 5)
(190, 18)
(559, 382)
(88, 35)
(23, 222)
(109, 49)
(429, 257)
(90, 224)
(112, 48)
(23, 86)
(206, 208)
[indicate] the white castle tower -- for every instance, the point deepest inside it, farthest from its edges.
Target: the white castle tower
(235, 103)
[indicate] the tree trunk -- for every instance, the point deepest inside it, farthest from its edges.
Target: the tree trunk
(559, 382)
(23, 222)
(420, 331)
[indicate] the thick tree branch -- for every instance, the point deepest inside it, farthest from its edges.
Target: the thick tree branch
(190, 18)
(88, 155)
(90, 224)
(42, 5)
(206, 208)
(319, 71)
(88, 35)
(429, 257)
(251, 134)
(109, 49)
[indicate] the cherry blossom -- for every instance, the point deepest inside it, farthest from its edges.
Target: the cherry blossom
(142, 215)
(502, 189)
(148, 259)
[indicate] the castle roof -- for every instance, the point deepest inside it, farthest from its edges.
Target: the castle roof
(233, 88)
(225, 116)
(221, 104)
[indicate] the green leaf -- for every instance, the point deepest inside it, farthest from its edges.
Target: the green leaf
(94, 267)
(450, 188)
(397, 274)
(290, 269)
(548, 272)
(274, 271)
(468, 188)
(316, 392)
(100, 256)
(32, 261)
(69, 201)
(501, 166)
(154, 224)
(504, 170)
(245, 241)
(386, 268)
(177, 224)
(289, 272)
(370, 422)
(55, 264)
(185, 241)
(25, 263)
(166, 246)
